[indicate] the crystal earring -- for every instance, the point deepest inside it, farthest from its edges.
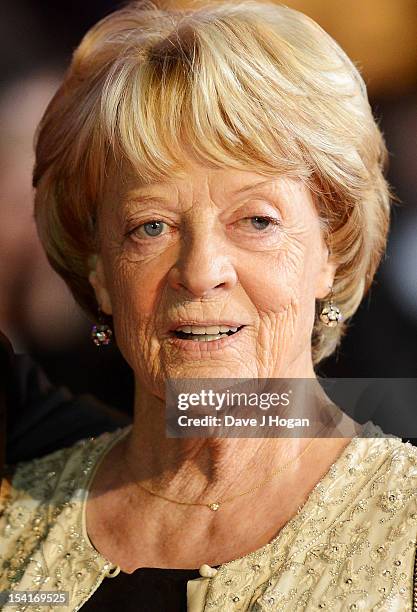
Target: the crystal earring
(101, 334)
(330, 314)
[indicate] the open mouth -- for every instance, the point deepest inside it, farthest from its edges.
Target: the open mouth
(205, 334)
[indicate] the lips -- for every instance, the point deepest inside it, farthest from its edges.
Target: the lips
(195, 333)
(205, 333)
(198, 324)
(197, 344)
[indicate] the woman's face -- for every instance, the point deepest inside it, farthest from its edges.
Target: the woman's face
(212, 276)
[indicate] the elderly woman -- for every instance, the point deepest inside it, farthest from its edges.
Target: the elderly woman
(211, 182)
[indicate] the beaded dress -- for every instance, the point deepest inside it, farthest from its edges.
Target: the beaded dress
(351, 546)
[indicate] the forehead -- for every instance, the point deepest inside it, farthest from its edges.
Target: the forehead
(194, 179)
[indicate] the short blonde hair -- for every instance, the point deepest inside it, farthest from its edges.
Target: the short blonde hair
(246, 85)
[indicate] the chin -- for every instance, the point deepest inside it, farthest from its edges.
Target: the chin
(211, 370)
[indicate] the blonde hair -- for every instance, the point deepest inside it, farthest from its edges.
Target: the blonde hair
(244, 84)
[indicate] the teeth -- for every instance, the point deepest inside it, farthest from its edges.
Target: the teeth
(213, 329)
(207, 330)
(198, 330)
(207, 338)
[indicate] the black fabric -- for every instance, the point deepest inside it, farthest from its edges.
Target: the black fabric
(145, 590)
(6, 372)
(42, 418)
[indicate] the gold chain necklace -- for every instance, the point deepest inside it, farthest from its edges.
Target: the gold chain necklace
(216, 505)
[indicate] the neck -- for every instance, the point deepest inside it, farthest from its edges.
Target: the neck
(201, 470)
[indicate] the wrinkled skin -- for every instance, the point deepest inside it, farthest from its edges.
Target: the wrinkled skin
(211, 263)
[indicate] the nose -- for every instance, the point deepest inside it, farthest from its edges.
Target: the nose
(203, 269)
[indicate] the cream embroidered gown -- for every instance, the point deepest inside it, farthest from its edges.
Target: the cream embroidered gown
(350, 547)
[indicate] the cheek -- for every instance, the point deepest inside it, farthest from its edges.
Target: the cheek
(136, 286)
(273, 281)
(129, 298)
(136, 294)
(282, 289)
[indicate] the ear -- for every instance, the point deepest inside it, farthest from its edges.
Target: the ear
(98, 282)
(325, 277)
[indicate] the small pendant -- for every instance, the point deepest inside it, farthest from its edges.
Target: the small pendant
(214, 506)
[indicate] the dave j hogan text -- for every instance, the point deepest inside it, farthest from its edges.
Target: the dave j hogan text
(231, 421)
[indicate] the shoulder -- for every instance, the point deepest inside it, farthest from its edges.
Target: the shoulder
(60, 472)
(387, 458)
(374, 441)
(377, 482)
(44, 502)
(372, 490)
(374, 447)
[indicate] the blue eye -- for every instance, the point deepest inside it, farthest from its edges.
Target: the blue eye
(153, 228)
(260, 223)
